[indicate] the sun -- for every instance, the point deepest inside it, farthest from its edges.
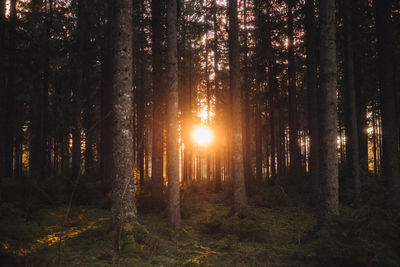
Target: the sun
(203, 135)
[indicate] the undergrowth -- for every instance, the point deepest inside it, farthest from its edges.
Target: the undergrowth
(278, 230)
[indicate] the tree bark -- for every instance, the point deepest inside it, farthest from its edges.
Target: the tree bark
(294, 150)
(312, 94)
(106, 101)
(328, 107)
(390, 140)
(3, 141)
(218, 105)
(239, 205)
(123, 210)
(157, 141)
(352, 149)
(10, 92)
(174, 213)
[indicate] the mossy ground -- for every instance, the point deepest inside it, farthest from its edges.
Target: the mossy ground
(264, 237)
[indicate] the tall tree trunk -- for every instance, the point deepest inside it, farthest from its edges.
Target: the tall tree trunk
(352, 149)
(312, 94)
(123, 210)
(359, 47)
(174, 213)
(218, 102)
(328, 107)
(260, 77)
(77, 116)
(140, 91)
(390, 135)
(246, 103)
(3, 141)
(106, 101)
(10, 93)
(272, 95)
(294, 150)
(44, 140)
(157, 141)
(239, 205)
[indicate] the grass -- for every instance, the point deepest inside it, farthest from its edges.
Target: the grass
(265, 237)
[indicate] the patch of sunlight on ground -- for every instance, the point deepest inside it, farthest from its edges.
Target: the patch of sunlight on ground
(53, 238)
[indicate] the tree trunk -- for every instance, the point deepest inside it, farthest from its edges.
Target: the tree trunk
(140, 91)
(361, 84)
(328, 105)
(246, 103)
(294, 150)
(3, 101)
(77, 117)
(157, 142)
(312, 94)
(239, 205)
(218, 102)
(352, 149)
(174, 213)
(390, 140)
(106, 101)
(123, 210)
(10, 93)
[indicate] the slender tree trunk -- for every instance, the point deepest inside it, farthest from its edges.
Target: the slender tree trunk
(272, 95)
(140, 93)
(390, 135)
(312, 94)
(10, 125)
(174, 213)
(77, 116)
(246, 103)
(44, 136)
(157, 141)
(352, 149)
(239, 205)
(106, 101)
(293, 124)
(361, 84)
(3, 142)
(328, 105)
(123, 210)
(218, 105)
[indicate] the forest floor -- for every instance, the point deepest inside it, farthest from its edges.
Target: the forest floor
(266, 236)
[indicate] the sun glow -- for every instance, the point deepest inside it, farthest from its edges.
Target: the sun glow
(203, 135)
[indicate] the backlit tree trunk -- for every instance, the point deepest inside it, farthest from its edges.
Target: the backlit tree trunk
(2, 90)
(123, 211)
(352, 149)
(174, 213)
(157, 141)
(328, 107)
(312, 94)
(293, 124)
(239, 205)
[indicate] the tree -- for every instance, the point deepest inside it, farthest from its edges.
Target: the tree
(328, 110)
(106, 99)
(352, 144)
(390, 135)
(157, 141)
(293, 123)
(2, 90)
(174, 212)
(80, 61)
(312, 92)
(123, 210)
(239, 205)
